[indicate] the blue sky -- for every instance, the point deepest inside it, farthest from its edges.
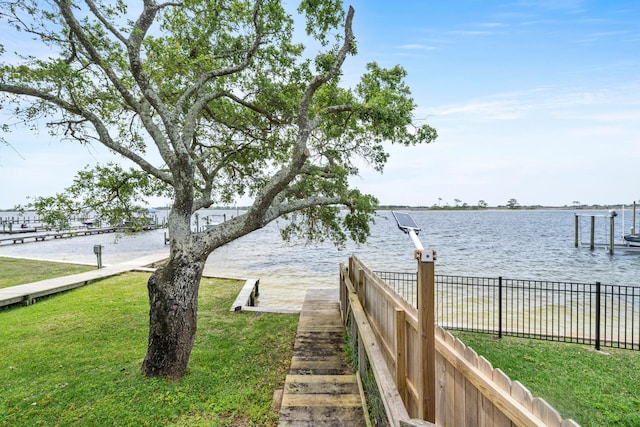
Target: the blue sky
(533, 100)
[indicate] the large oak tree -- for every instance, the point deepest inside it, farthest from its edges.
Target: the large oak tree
(215, 100)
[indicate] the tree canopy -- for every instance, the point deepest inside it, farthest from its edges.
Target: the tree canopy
(215, 101)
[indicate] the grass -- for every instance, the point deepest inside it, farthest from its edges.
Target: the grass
(15, 271)
(593, 388)
(74, 359)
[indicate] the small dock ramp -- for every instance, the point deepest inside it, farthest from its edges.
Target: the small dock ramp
(321, 388)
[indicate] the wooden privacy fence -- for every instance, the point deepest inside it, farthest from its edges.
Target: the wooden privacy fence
(468, 390)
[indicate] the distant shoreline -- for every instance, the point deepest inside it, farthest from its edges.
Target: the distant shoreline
(439, 208)
(501, 207)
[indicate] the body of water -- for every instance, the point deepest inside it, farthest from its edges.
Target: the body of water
(517, 244)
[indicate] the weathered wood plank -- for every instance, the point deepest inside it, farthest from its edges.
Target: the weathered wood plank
(320, 416)
(322, 399)
(321, 388)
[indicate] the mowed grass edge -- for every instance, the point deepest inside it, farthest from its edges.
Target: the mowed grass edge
(16, 271)
(593, 388)
(74, 359)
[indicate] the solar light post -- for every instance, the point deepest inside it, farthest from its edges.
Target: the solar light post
(426, 317)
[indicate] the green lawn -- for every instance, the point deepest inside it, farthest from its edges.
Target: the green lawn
(593, 388)
(74, 359)
(15, 271)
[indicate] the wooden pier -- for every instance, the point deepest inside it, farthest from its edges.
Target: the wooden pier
(321, 388)
(22, 237)
(28, 293)
(39, 237)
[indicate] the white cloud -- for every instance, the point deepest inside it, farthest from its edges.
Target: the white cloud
(417, 47)
(471, 33)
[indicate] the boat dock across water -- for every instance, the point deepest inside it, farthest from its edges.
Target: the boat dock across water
(36, 236)
(39, 236)
(629, 242)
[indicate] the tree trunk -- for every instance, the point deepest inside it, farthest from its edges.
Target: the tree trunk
(173, 300)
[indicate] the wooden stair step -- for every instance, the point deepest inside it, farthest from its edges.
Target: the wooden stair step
(321, 389)
(325, 399)
(321, 416)
(319, 367)
(321, 384)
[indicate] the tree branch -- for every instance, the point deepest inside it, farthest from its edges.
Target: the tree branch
(255, 108)
(333, 71)
(285, 175)
(195, 110)
(101, 129)
(105, 22)
(130, 99)
(301, 204)
(338, 109)
(133, 44)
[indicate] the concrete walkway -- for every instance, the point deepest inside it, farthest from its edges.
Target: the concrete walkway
(321, 388)
(28, 293)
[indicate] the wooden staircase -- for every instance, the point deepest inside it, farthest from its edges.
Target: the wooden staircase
(321, 388)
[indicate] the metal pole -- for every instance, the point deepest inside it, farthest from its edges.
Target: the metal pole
(593, 230)
(500, 306)
(416, 241)
(598, 295)
(577, 229)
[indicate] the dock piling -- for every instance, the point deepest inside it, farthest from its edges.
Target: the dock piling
(609, 243)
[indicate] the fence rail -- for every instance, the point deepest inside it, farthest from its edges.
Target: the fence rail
(582, 313)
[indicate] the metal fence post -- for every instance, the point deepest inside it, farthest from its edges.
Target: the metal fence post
(598, 295)
(500, 307)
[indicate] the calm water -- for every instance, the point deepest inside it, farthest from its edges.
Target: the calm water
(515, 244)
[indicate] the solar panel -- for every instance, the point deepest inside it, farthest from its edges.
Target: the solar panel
(405, 222)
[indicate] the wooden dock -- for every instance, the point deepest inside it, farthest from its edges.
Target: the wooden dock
(20, 237)
(28, 293)
(321, 388)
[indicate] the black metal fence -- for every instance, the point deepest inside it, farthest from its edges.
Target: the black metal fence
(593, 314)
